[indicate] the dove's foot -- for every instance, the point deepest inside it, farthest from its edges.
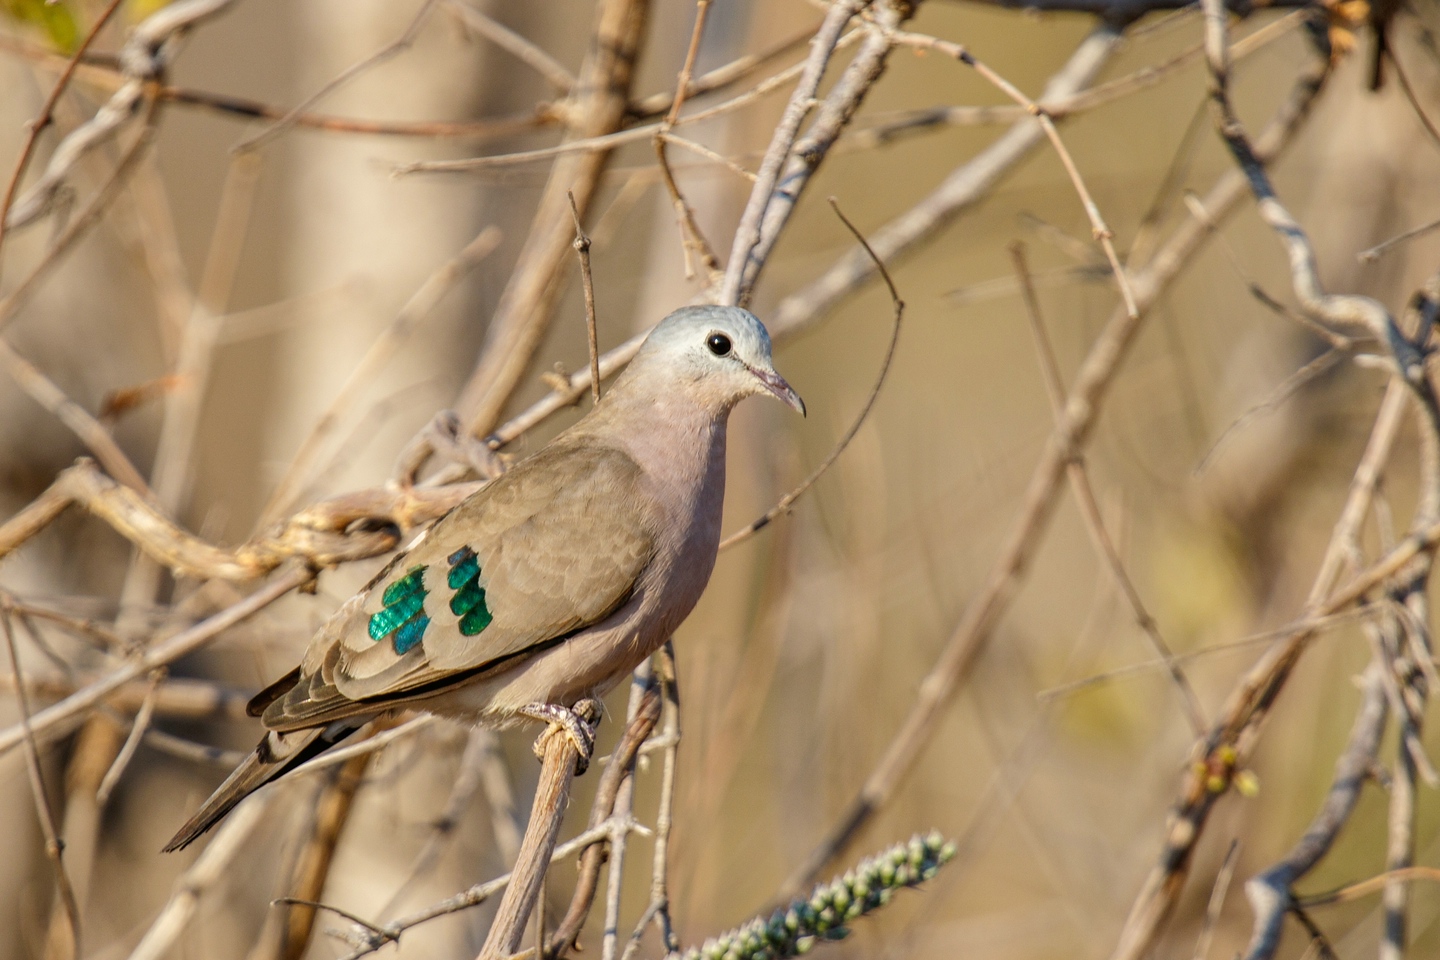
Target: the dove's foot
(575, 722)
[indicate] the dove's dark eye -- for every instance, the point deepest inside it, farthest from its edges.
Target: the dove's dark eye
(719, 344)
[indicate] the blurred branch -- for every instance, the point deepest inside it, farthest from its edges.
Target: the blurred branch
(791, 159)
(692, 240)
(90, 431)
(522, 316)
(312, 867)
(144, 57)
(1098, 226)
(553, 72)
(389, 51)
(382, 350)
(174, 698)
(1079, 478)
(884, 128)
(478, 894)
(1087, 394)
(67, 903)
(160, 654)
(229, 840)
(1271, 893)
(46, 116)
(960, 190)
(658, 910)
(1215, 756)
(787, 501)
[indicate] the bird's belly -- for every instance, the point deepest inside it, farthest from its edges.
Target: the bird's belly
(586, 665)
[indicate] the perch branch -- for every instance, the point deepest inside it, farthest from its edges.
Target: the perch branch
(552, 796)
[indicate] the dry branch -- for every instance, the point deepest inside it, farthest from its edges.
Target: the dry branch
(552, 796)
(523, 315)
(1082, 407)
(1271, 895)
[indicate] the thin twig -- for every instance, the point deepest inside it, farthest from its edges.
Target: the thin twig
(587, 282)
(229, 841)
(525, 309)
(1087, 394)
(514, 44)
(389, 51)
(1098, 226)
(747, 234)
(1216, 904)
(381, 351)
(54, 848)
(1270, 892)
(159, 655)
(787, 501)
(132, 742)
(46, 116)
(1090, 508)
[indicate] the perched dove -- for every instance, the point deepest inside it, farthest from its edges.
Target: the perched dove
(548, 585)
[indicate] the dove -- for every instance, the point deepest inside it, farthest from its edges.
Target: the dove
(543, 589)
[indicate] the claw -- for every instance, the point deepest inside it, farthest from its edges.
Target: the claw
(575, 722)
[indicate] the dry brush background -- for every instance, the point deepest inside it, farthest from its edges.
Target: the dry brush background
(1122, 583)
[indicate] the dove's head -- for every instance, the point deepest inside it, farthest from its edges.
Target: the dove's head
(719, 354)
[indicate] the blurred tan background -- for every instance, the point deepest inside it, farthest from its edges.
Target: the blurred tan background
(805, 654)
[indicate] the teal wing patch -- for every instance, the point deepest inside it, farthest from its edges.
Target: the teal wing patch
(468, 601)
(402, 618)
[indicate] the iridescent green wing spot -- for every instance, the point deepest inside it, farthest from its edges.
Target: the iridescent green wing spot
(468, 601)
(402, 616)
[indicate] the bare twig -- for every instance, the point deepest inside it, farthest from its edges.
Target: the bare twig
(1082, 407)
(482, 892)
(90, 431)
(658, 910)
(692, 239)
(1090, 508)
(144, 57)
(1098, 226)
(1380, 249)
(389, 51)
(421, 303)
(524, 312)
(587, 282)
(312, 867)
(54, 849)
(1217, 900)
(208, 868)
(642, 721)
(47, 115)
(787, 501)
(747, 234)
(132, 741)
(161, 654)
(1270, 892)
(959, 191)
(512, 43)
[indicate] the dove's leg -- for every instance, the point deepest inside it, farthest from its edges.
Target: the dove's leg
(576, 722)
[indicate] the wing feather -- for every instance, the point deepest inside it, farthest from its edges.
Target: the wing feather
(559, 541)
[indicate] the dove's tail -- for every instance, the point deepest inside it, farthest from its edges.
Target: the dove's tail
(277, 754)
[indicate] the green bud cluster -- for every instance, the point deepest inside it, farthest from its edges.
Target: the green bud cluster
(824, 914)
